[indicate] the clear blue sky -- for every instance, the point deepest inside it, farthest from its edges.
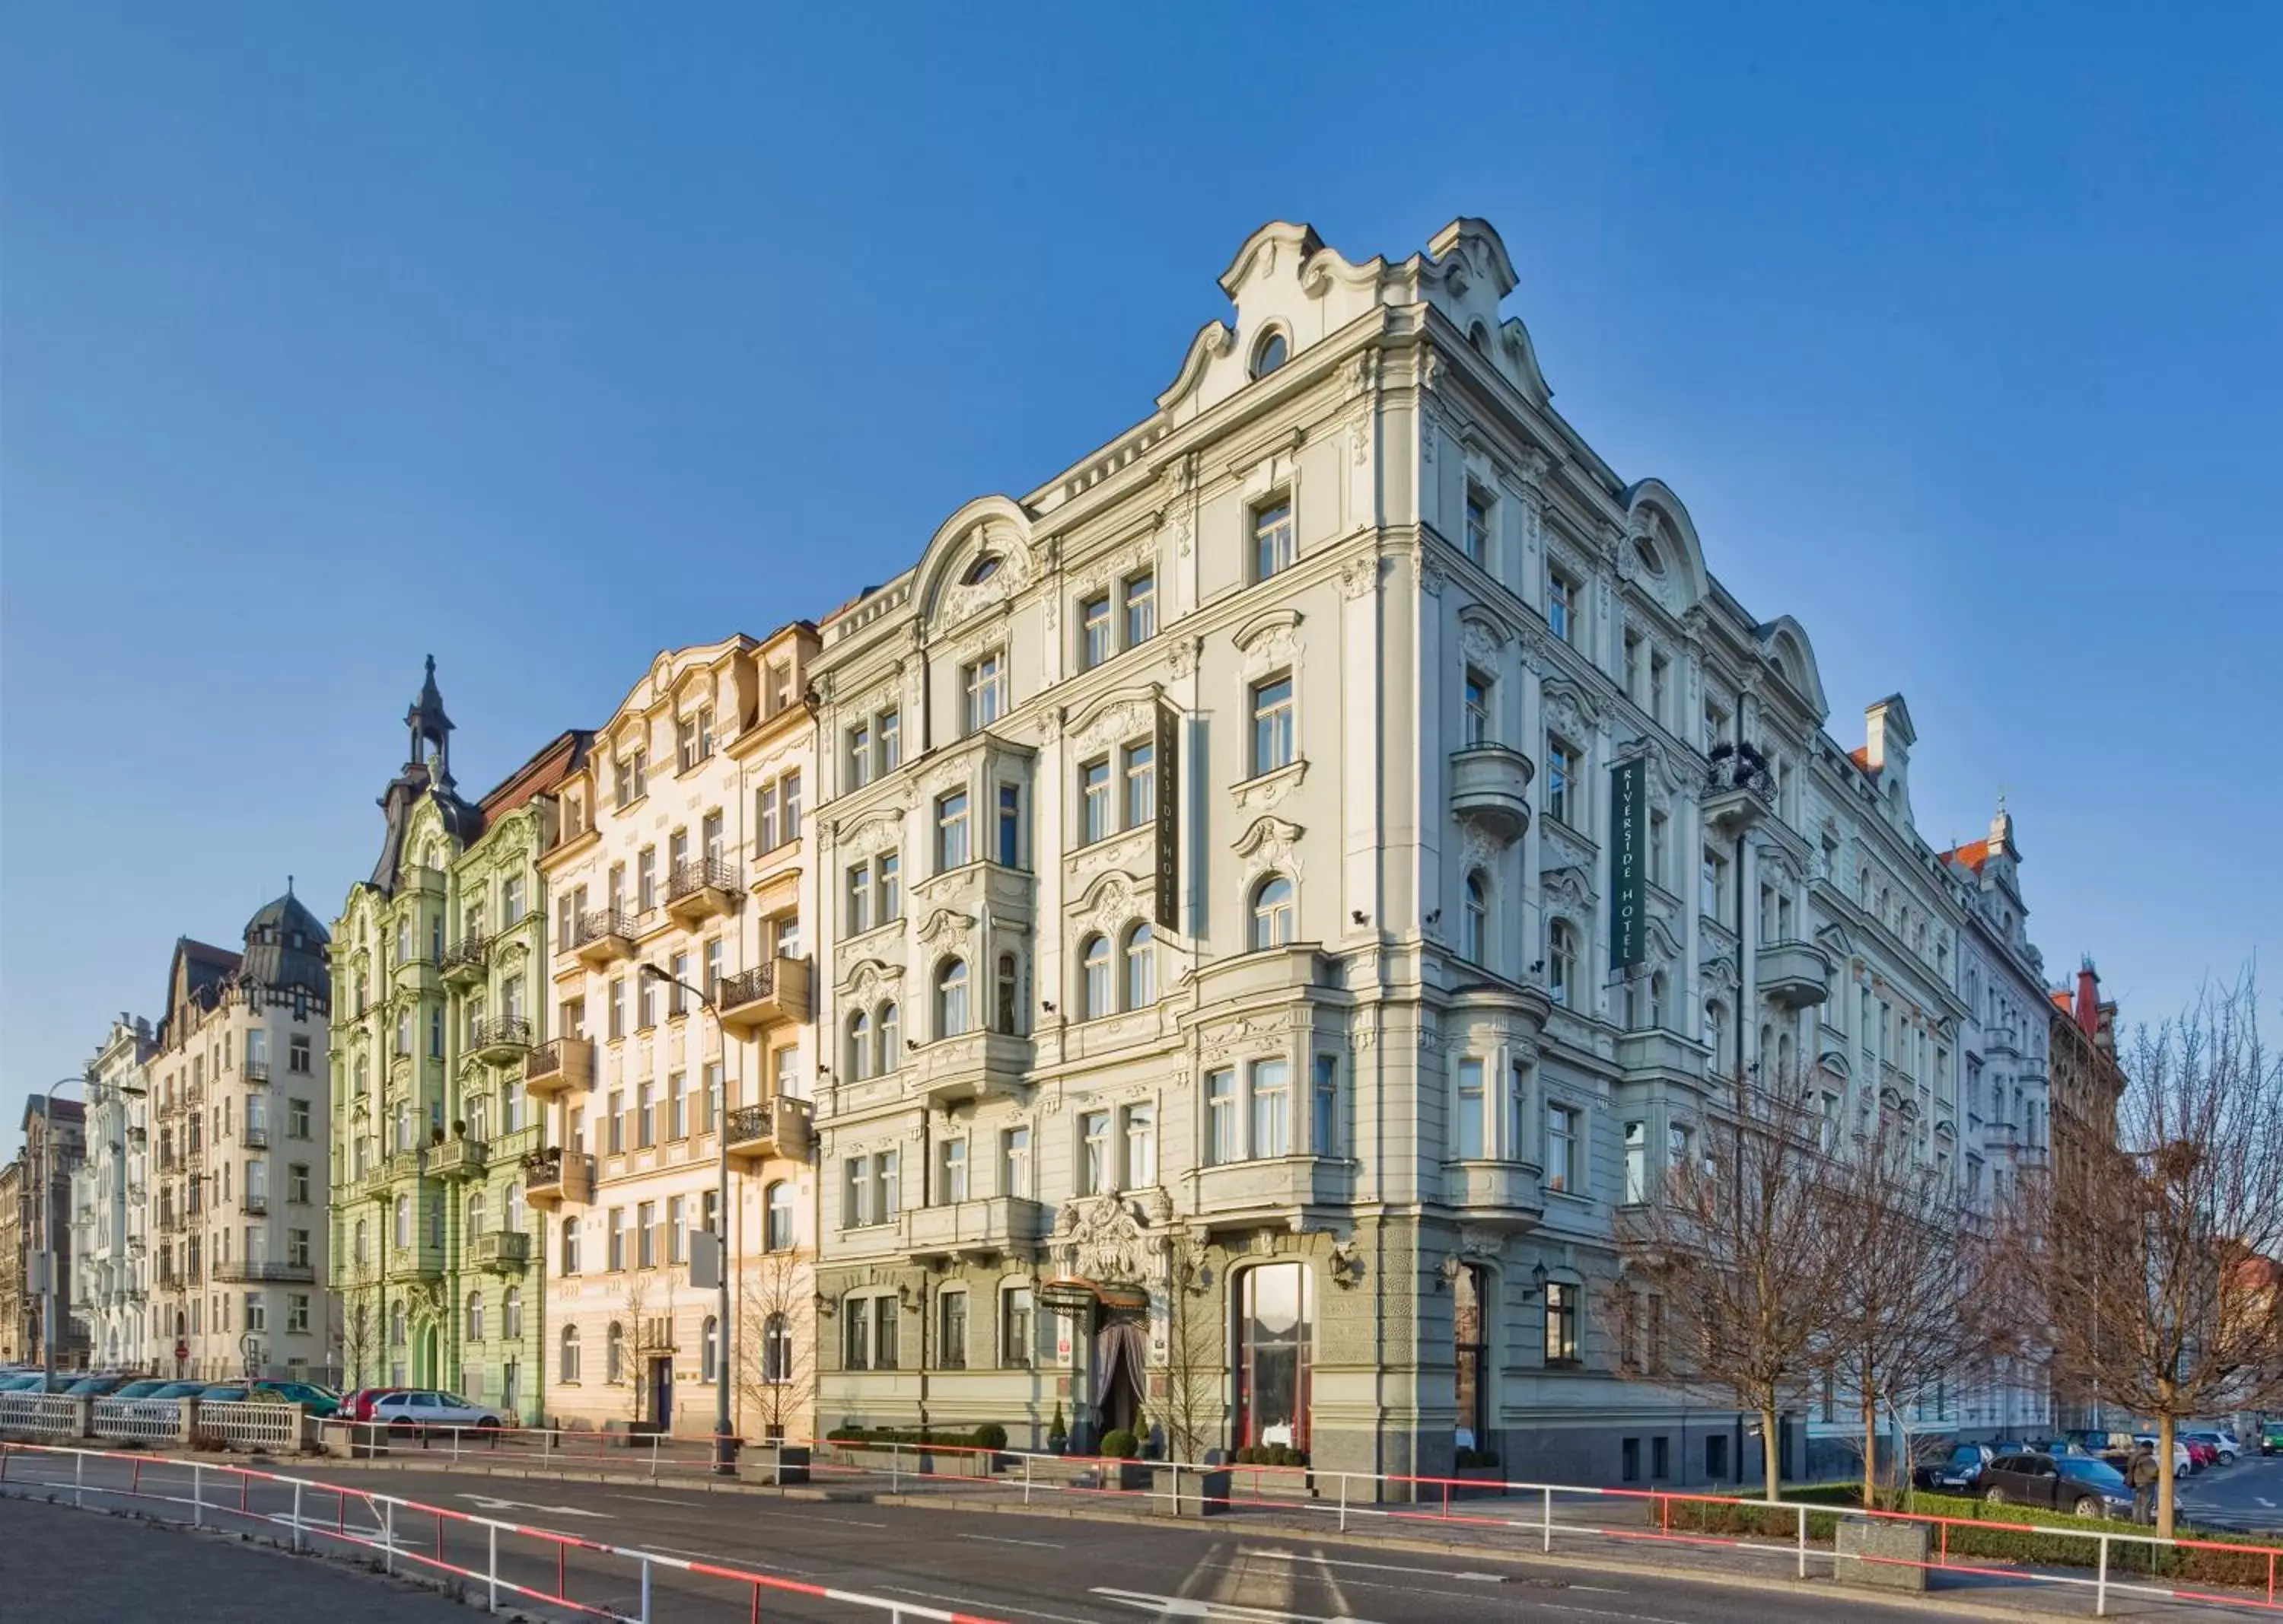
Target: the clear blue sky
(541, 336)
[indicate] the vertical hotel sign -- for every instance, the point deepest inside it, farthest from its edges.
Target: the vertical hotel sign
(1628, 785)
(1169, 818)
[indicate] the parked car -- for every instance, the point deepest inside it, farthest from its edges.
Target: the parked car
(2075, 1483)
(158, 1404)
(358, 1405)
(322, 1402)
(2200, 1454)
(2183, 1461)
(223, 1392)
(142, 1388)
(97, 1386)
(2223, 1447)
(425, 1409)
(34, 1381)
(1960, 1469)
(2270, 1438)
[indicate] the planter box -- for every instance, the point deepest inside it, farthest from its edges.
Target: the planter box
(1125, 1476)
(1491, 1477)
(1275, 1482)
(1882, 1556)
(632, 1434)
(1177, 1491)
(354, 1441)
(780, 1462)
(962, 1463)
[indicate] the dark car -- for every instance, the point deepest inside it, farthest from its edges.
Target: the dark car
(97, 1386)
(2077, 1483)
(1960, 1469)
(322, 1402)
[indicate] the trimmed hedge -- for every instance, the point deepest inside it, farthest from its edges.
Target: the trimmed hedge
(990, 1435)
(1118, 1444)
(1270, 1455)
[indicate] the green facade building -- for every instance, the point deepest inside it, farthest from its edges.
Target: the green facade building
(440, 970)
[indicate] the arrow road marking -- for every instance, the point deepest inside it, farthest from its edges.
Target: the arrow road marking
(491, 1503)
(1377, 1567)
(1190, 1607)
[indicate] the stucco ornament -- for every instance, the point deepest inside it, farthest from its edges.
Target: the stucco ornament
(1101, 1238)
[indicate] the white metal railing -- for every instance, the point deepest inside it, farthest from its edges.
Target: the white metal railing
(428, 1544)
(43, 1415)
(137, 1420)
(251, 1425)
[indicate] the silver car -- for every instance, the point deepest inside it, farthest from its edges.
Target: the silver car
(424, 1409)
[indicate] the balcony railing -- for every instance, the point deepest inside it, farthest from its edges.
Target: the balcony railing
(499, 1249)
(255, 1072)
(554, 1175)
(465, 959)
(457, 1159)
(500, 1038)
(557, 1067)
(764, 995)
(254, 1136)
(241, 1273)
(604, 934)
(253, 1206)
(698, 887)
(778, 1127)
(1739, 790)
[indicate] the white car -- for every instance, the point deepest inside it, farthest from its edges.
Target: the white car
(2182, 1464)
(424, 1409)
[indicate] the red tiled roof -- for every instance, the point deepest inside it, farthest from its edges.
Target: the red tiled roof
(2061, 1001)
(1861, 757)
(1973, 855)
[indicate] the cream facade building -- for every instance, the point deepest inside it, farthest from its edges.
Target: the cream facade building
(1231, 931)
(110, 1243)
(683, 846)
(239, 1103)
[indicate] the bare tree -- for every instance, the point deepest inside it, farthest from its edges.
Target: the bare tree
(1738, 1249)
(776, 1371)
(357, 1341)
(634, 1303)
(2154, 1254)
(1196, 1353)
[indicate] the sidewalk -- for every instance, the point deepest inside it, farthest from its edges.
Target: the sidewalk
(63, 1567)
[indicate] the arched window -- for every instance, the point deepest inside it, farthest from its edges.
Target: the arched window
(1561, 962)
(981, 570)
(567, 1364)
(511, 1314)
(404, 1221)
(776, 1233)
(891, 1042)
(951, 998)
(1474, 923)
(1716, 1033)
(777, 1349)
(570, 1245)
(475, 1215)
(859, 1047)
(1273, 923)
(614, 1353)
(709, 1349)
(363, 1246)
(1010, 1006)
(511, 1209)
(475, 1316)
(396, 1337)
(1270, 352)
(1659, 989)
(1141, 968)
(1094, 982)
(1479, 337)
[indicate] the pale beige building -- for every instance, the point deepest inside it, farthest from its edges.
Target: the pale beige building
(681, 846)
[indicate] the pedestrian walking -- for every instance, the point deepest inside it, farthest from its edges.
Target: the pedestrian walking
(2144, 1474)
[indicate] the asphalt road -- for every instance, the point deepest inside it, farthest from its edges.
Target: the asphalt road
(2246, 1497)
(1005, 1566)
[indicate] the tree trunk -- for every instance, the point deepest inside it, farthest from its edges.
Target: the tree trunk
(1870, 1455)
(1769, 1460)
(2165, 1433)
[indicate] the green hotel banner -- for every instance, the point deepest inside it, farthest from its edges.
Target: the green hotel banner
(1628, 816)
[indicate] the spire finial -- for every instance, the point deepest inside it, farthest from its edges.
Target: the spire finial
(289, 885)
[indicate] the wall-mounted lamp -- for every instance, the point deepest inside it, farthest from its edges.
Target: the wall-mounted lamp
(1536, 966)
(1432, 917)
(1047, 1004)
(1359, 917)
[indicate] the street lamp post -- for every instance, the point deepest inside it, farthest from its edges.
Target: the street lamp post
(725, 1440)
(48, 1231)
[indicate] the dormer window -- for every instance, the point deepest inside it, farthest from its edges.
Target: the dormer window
(1479, 336)
(1270, 353)
(981, 570)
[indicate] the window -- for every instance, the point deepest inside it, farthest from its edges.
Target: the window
(296, 1055)
(1015, 1162)
(1269, 353)
(1141, 608)
(860, 898)
(1272, 912)
(614, 1353)
(1517, 1111)
(1478, 526)
(1562, 1149)
(511, 1314)
(297, 1181)
(297, 1314)
(887, 741)
(297, 1247)
(1220, 1118)
(1141, 968)
(869, 1189)
(1562, 1305)
(890, 1050)
(566, 1363)
(1010, 826)
(709, 1349)
(1561, 962)
(887, 886)
(860, 1046)
(789, 804)
(570, 1245)
(951, 1330)
(776, 1350)
(475, 1316)
(1272, 724)
(617, 1027)
(1017, 1318)
(1010, 995)
(1141, 1171)
(951, 848)
(1660, 848)
(1276, 1334)
(1095, 999)
(403, 1221)
(646, 880)
(1093, 631)
(1271, 538)
(1476, 695)
(617, 1239)
(1474, 927)
(951, 1171)
(1561, 605)
(646, 1235)
(1660, 685)
(709, 1102)
(645, 1115)
(860, 755)
(1094, 1153)
(476, 1213)
(985, 684)
(1140, 785)
(677, 1105)
(1094, 800)
(1562, 802)
(1467, 1125)
(951, 998)
(1713, 901)
(1636, 1136)
(981, 570)
(677, 1229)
(1271, 1108)
(777, 1225)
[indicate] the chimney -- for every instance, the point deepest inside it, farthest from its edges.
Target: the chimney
(1887, 734)
(2087, 1010)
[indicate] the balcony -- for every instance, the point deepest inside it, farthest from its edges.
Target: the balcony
(552, 1177)
(603, 937)
(1795, 974)
(766, 995)
(1739, 790)
(254, 1136)
(994, 1226)
(558, 1068)
(459, 1159)
(500, 1039)
(240, 1273)
(508, 1251)
(976, 1066)
(1489, 788)
(256, 1073)
(253, 1206)
(466, 960)
(415, 1265)
(699, 888)
(1277, 1187)
(405, 1164)
(1502, 1195)
(778, 1127)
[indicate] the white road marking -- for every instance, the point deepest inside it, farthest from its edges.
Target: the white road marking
(1377, 1567)
(657, 1500)
(490, 1502)
(1187, 1607)
(851, 1522)
(965, 1602)
(1598, 1589)
(989, 1539)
